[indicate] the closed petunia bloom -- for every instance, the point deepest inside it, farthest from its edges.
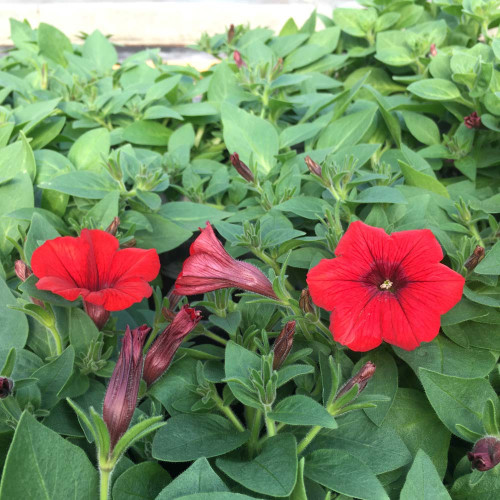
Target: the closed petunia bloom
(384, 287)
(209, 267)
(91, 266)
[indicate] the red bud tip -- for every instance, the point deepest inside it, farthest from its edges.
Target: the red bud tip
(230, 33)
(23, 271)
(283, 344)
(305, 301)
(475, 258)
(361, 378)
(485, 454)
(313, 167)
(241, 168)
(97, 314)
(113, 227)
(433, 51)
(238, 60)
(473, 120)
(6, 386)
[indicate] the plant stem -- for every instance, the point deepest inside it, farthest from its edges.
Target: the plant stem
(105, 477)
(271, 263)
(215, 337)
(254, 433)
(308, 438)
(270, 426)
(57, 340)
(227, 411)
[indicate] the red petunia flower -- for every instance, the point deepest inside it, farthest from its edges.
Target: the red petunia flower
(92, 266)
(210, 267)
(383, 287)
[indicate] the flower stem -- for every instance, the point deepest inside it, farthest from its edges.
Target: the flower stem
(271, 263)
(308, 438)
(227, 411)
(254, 433)
(57, 340)
(105, 483)
(270, 426)
(215, 337)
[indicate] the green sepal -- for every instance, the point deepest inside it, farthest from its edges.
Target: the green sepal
(83, 418)
(103, 440)
(490, 419)
(8, 366)
(467, 433)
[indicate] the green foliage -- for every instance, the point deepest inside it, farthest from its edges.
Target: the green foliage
(382, 100)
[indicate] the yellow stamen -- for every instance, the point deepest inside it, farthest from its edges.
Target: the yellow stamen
(386, 285)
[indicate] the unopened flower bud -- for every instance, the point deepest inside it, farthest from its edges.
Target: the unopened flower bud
(97, 314)
(305, 301)
(173, 300)
(22, 269)
(283, 344)
(241, 168)
(485, 454)
(433, 51)
(6, 386)
(23, 272)
(473, 120)
(113, 227)
(313, 167)
(238, 60)
(165, 346)
(475, 258)
(361, 378)
(131, 243)
(121, 395)
(230, 33)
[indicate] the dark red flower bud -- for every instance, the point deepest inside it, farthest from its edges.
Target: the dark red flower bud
(361, 378)
(241, 168)
(305, 301)
(165, 346)
(129, 244)
(97, 314)
(283, 344)
(121, 395)
(485, 454)
(6, 386)
(210, 267)
(23, 272)
(22, 269)
(313, 167)
(238, 60)
(113, 227)
(473, 120)
(475, 258)
(230, 33)
(433, 51)
(173, 300)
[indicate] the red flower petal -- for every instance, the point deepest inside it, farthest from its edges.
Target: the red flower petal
(134, 263)
(102, 248)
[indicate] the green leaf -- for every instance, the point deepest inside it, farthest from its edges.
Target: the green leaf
(53, 43)
(299, 492)
(188, 437)
(418, 179)
(249, 136)
(40, 231)
(41, 464)
(491, 262)
(348, 130)
(302, 410)
(435, 89)
(198, 478)
(272, 472)
(82, 332)
(90, 150)
(147, 133)
(381, 194)
(165, 236)
(416, 423)
(83, 184)
(296, 134)
(422, 128)
(457, 400)
(468, 487)
(14, 331)
(98, 49)
(304, 206)
(379, 447)
(446, 357)
(143, 481)
(341, 472)
(423, 481)
(52, 377)
(191, 216)
(238, 363)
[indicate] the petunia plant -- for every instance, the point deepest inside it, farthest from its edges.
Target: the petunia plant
(273, 278)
